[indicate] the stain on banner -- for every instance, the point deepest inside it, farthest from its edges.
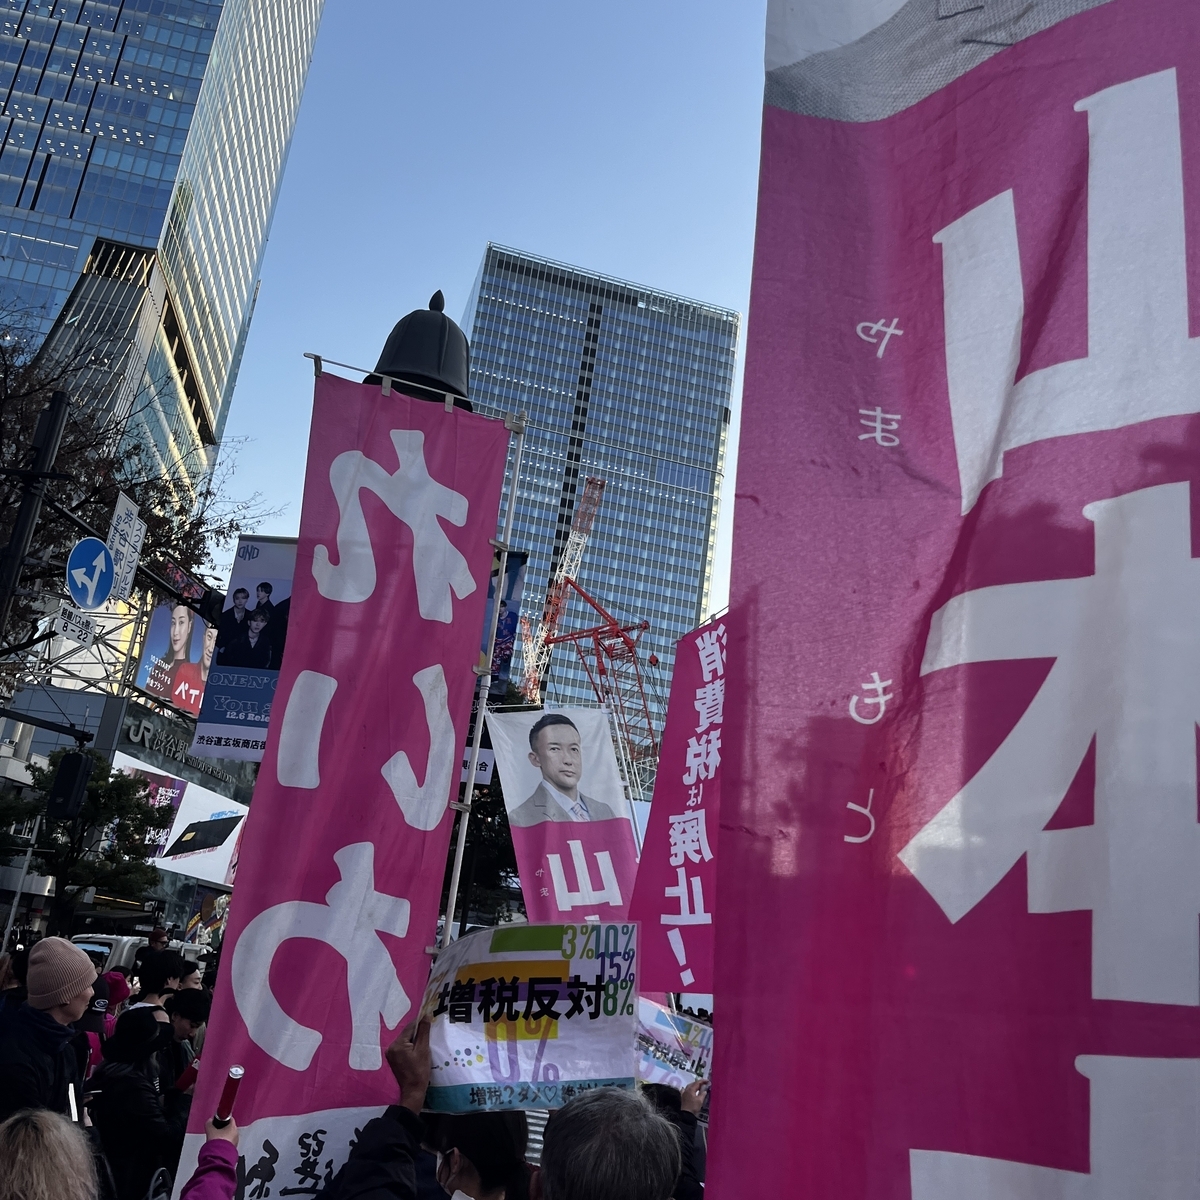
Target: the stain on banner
(529, 1016)
(959, 809)
(677, 877)
(340, 868)
(570, 820)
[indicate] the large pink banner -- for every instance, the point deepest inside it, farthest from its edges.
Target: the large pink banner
(959, 848)
(341, 867)
(677, 876)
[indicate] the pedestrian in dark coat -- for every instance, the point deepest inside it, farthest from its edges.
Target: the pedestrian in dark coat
(39, 1067)
(136, 1131)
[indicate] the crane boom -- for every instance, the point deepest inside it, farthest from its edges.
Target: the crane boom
(536, 647)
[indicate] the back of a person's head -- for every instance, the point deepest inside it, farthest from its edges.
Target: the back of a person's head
(157, 967)
(44, 1157)
(493, 1142)
(608, 1143)
(194, 1005)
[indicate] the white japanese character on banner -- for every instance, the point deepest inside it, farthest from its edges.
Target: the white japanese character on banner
(413, 497)
(710, 647)
(695, 795)
(350, 920)
(691, 906)
(1126, 673)
(703, 757)
(710, 704)
(689, 838)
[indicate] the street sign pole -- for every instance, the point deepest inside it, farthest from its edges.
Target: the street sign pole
(46, 441)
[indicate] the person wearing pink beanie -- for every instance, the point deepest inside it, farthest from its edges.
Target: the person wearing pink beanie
(118, 993)
(38, 1066)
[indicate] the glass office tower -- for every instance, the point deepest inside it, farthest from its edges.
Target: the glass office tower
(628, 384)
(142, 144)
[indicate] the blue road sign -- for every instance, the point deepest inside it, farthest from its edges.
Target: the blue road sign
(90, 573)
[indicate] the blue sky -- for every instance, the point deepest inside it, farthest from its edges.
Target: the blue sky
(620, 137)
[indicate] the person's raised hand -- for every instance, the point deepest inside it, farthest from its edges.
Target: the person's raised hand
(411, 1062)
(227, 1133)
(692, 1098)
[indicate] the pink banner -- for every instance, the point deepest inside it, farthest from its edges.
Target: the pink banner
(677, 876)
(959, 844)
(341, 867)
(567, 811)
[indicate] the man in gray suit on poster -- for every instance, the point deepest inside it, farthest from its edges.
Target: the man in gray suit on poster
(554, 750)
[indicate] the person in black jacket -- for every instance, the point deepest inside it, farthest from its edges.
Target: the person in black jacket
(137, 1132)
(682, 1109)
(39, 1067)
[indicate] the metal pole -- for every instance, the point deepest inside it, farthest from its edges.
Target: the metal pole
(515, 424)
(12, 912)
(46, 441)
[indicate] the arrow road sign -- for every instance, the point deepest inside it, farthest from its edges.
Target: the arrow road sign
(90, 573)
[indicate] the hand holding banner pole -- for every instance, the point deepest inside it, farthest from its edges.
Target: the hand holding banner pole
(515, 422)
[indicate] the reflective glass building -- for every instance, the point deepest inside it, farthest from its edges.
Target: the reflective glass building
(628, 384)
(142, 144)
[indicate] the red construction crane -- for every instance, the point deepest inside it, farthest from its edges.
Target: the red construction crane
(609, 653)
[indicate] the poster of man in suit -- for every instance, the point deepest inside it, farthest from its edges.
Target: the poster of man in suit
(567, 811)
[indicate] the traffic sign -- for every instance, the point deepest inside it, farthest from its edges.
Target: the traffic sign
(76, 625)
(90, 573)
(125, 536)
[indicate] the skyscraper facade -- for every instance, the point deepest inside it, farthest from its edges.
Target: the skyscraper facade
(628, 384)
(142, 145)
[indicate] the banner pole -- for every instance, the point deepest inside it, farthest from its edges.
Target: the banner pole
(515, 423)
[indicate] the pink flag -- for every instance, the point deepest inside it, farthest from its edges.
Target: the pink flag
(959, 937)
(677, 875)
(340, 871)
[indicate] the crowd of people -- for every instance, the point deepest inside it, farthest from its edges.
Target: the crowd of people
(97, 1073)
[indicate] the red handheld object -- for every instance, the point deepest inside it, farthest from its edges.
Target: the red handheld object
(187, 1076)
(224, 1113)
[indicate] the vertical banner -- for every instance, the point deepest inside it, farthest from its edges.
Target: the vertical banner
(959, 810)
(570, 821)
(677, 876)
(340, 869)
(250, 640)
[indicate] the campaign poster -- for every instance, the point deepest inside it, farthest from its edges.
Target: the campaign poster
(675, 897)
(960, 846)
(340, 868)
(529, 1016)
(568, 813)
(177, 657)
(673, 1048)
(251, 636)
(508, 620)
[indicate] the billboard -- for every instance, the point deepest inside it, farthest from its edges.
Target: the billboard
(251, 636)
(959, 831)
(204, 832)
(176, 657)
(508, 620)
(567, 810)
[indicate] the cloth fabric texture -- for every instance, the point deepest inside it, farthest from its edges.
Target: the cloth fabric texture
(382, 1164)
(38, 1064)
(215, 1176)
(58, 972)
